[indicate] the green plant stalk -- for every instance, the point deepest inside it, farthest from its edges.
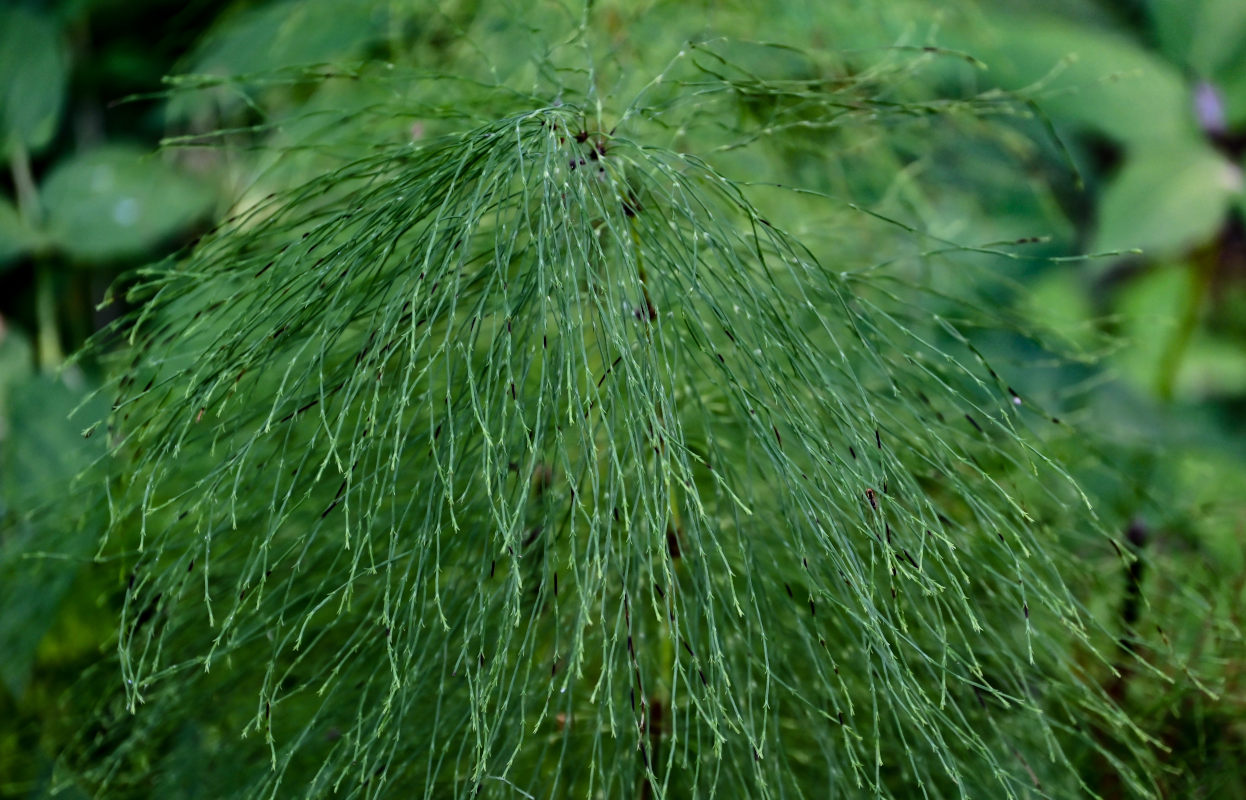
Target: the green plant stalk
(1174, 352)
(51, 353)
(666, 628)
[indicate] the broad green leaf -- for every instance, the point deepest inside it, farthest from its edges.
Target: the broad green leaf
(291, 33)
(1153, 309)
(1058, 301)
(1093, 78)
(1206, 35)
(33, 70)
(16, 364)
(1239, 200)
(1150, 308)
(1166, 199)
(1213, 366)
(1212, 482)
(117, 202)
(31, 589)
(276, 36)
(43, 449)
(1233, 92)
(15, 237)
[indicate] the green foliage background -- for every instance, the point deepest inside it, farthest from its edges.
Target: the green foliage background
(560, 401)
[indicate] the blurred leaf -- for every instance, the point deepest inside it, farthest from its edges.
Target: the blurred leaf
(118, 201)
(1233, 90)
(17, 360)
(31, 589)
(1212, 367)
(1211, 482)
(1150, 307)
(42, 451)
(15, 237)
(44, 448)
(275, 36)
(33, 70)
(1240, 199)
(1205, 35)
(1094, 78)
(1058, 301)
(291, 33)
(1166, 199)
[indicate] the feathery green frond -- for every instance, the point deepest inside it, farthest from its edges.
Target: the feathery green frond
(532, 458)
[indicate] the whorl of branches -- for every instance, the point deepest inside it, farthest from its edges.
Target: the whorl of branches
(535, 460)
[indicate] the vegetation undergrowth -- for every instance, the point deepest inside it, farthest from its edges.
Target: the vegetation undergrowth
(575, 444)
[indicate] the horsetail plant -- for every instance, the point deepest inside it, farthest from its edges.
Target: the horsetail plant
(537, 457)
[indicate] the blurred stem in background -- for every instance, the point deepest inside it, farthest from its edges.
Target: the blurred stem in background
(50, 353)
(1201, 271)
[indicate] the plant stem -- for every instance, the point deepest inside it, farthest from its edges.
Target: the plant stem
(24, 182)
(1170, 361)
(51, 354)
